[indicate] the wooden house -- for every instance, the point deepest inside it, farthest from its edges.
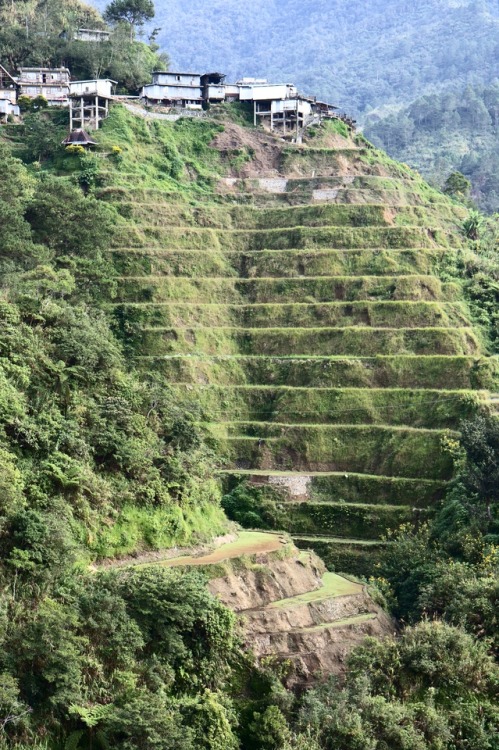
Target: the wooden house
(79, 137)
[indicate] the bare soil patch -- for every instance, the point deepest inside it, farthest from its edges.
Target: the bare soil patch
(265, 150)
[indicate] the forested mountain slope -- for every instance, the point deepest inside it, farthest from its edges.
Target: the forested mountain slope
(360, 54)
(441, 133)
(34, 32)
(198, 298)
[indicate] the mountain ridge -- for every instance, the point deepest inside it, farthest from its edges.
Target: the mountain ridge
(358, 54)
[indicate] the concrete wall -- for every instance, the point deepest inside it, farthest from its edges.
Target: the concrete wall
(9, 95)
(8, 108)
(267, 91)
(176, 79)
(91, 35)
(213, 91)
(291, 105)
(102, 87)
(172, 93)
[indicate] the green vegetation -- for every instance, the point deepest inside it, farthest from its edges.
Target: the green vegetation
(35, 32)
(133, 12)
(419, 692)
(94, 452)
(158, 336)
(444, 135)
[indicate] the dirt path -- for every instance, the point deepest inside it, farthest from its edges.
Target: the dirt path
(244, 543)
(247, 543)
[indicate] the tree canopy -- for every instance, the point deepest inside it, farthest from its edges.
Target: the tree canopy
(133, 12)
(37, 32)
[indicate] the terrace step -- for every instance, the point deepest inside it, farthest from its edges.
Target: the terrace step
(278, 239)
(399, 370)
(395, 406)
(343, 487)
(364, 449)
(276, 263)
(388, 313)
(253, 218)
(346, 342)
(311, 289)
(359, 520)
(398, 196)
(338, 599)
(357, 556)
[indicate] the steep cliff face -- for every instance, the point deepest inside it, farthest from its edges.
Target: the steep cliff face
(309, 298)
(289, 607)
(295, 611)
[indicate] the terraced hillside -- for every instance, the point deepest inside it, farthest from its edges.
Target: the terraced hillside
(288, 606)
(306, 298)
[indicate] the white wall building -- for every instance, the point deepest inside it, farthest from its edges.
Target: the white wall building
(277, 105)
(52, 83)
(97, 87)
(7, 108)
(182, 90)
(89, 102)
(91, 35)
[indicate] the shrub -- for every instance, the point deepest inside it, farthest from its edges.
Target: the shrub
(75, 149)
(39, 102)
(25, 103)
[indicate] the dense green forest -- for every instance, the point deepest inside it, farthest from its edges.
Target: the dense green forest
(439, 134)
(100, 460)
(360, 54)
(40, 32)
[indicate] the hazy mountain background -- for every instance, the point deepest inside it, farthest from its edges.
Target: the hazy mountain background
(454, 130)
(361, 54)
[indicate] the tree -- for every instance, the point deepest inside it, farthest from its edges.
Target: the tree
(42, 137)
(133, 12)
(12, 709)
(431, 689)
(480, 440)
(473, 225)
(269, 730)
(457, 185)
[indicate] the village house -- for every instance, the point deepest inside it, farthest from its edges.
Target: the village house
(183, 90)
(278, 106)
(8, 95)
(51, 83)
(89, 102)
(91, 35)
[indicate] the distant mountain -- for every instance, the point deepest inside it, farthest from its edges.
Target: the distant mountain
(443, 133)
(360, 54)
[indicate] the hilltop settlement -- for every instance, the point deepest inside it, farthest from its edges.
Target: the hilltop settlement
(277, 106)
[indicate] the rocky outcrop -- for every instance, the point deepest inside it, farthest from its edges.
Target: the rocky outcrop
(293, 610)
